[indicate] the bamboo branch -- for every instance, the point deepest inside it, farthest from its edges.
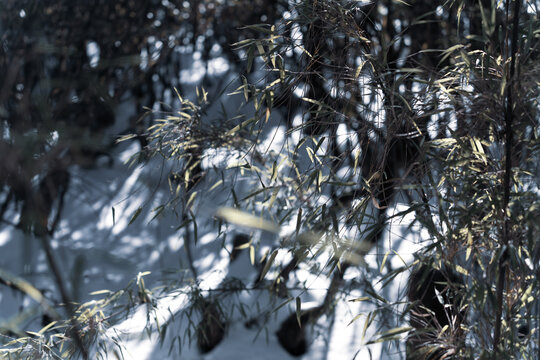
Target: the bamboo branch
(508, 119)
(64, 294)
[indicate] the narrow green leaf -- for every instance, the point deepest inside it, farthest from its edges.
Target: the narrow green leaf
(219, 182)
(135, 215)
(354, 319)
(195, 228)
(191, 198)
(243, 246)
(282, 304)
(363, 298)
(298, 310)
(28, 289)
(384, 260)
(391, 334)
(359, 69)
(367, 323)
(268, 265)
(273, 198)
(298, 220)
(47, 327)
(250, 56)
(99, 292)
(377, 296)
(126, 137)
(243, 43)
(260, 48)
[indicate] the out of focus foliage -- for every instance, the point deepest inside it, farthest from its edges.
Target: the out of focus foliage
(66, 65)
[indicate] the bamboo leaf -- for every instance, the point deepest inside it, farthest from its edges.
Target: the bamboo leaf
(298, 220)
(298, 311)
(354, 319)
(28, 289)
(363, 298)
(384, 260)
(252, 254)
(135, 215)
(268, 265)
(191, 198)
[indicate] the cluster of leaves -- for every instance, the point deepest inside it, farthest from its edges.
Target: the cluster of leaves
(424, 126)
(91, 320)
(383, 102)
(67, 65)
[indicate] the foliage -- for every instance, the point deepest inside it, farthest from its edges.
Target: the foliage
(434, 129)
(433, 105)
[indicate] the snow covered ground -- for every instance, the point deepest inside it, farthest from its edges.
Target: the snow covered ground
(98, 249)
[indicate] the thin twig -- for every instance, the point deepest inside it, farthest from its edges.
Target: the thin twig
(64, 294)
(187, 247)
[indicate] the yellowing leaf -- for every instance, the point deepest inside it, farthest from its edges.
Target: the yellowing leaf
(239, 217)
(268, 265)
(252, 254)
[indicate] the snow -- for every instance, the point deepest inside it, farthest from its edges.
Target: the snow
(95, 234)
